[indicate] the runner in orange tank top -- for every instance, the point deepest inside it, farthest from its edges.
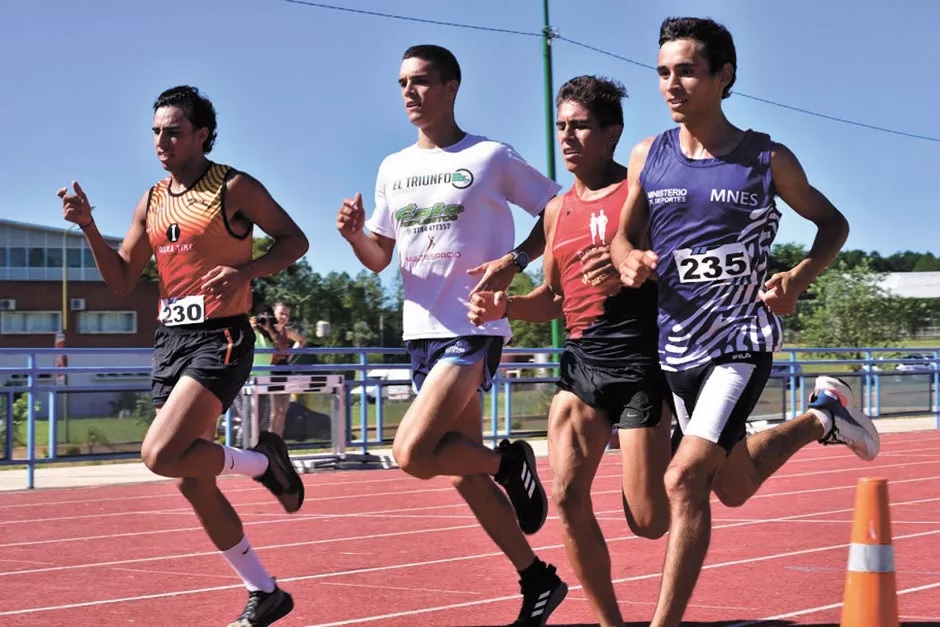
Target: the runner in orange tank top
(609, 370)
(198, 224)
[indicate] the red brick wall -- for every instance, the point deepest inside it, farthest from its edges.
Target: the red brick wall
(47, 296)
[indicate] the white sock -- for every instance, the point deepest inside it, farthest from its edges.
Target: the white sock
(824, 418)
(244, 561)
(239, 462)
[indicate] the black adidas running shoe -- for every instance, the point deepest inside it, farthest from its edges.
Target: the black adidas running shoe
(518, 476)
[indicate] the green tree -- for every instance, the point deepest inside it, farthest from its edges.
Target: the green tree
(784, 257)
(850, 309)
(150, 271)
(927, 263)
(20, 416)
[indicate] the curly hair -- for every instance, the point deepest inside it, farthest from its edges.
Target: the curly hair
(195, 106)
(601, 96)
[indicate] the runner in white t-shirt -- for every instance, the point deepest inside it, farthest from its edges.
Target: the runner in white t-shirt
(445, 201)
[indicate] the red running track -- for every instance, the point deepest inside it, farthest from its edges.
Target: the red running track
(381, 548)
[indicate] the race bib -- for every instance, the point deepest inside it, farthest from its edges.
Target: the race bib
(718, 264)
(185, 310)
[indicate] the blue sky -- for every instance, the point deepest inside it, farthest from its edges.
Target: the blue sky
(308, 100)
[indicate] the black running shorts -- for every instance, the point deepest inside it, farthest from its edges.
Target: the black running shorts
(714, 401)
(217, 353)
(632, 395)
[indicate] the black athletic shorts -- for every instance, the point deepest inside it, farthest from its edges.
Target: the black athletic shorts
(713, 401)
(217, 353)
(632, 395)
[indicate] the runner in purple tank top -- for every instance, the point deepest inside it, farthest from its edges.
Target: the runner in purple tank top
(700, 217)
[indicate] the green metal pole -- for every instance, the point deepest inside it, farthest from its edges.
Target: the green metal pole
(547, 35)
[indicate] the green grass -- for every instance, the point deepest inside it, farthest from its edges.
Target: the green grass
(529, 411)
(87, 435)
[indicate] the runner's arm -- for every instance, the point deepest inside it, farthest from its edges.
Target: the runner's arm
(499, 273)
(373, 250)
(634, 217)
(629, 247)
(122, 268)
(539, 305)
(253, 202)
(832, 228)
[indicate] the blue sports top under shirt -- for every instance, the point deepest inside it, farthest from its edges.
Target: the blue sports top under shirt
(712, 223)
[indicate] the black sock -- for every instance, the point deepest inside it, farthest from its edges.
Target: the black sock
(534, 567)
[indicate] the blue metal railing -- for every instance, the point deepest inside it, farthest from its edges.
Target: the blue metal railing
(912, 370)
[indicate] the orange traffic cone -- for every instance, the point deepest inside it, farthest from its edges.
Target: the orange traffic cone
(871, 598)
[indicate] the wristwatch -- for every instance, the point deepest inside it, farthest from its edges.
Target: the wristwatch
(521, 259)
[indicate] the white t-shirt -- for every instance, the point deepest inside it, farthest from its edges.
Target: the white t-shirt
(448, 210)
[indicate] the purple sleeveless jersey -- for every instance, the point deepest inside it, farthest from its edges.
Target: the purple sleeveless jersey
(712, 223)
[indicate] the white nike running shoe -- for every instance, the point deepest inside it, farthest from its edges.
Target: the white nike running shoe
(849, 425)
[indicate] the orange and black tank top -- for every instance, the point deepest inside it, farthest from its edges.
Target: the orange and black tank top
(603, 330)
(190, 235)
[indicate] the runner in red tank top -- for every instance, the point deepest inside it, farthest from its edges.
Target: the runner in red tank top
(198, 223)
(609, 370)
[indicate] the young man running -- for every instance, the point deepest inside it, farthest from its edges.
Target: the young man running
(198, 223)
(703, 194)
(610, 372)
(445, 201)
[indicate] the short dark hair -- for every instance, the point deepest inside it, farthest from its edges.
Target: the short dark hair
(602, 96)
(717, 43)
(195, 106)
(441, 59)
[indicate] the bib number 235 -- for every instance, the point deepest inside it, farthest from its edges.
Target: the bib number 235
(718, 264)
(186, 310)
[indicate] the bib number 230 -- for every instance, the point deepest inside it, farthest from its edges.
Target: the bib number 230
(718, 264)
(186, 310)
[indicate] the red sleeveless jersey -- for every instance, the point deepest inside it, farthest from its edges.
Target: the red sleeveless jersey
(609, 328)
(190, 235)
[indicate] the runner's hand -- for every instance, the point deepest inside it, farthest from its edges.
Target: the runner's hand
(486, 306)
(351, 217)
(222, 280)
(75, 207)
(637, 267)
(780, 293)
(497, 274)
(597, 268)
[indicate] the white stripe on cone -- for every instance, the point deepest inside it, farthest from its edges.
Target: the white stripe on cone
(871, 558)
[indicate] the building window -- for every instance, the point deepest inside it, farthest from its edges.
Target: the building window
(30, 322)
(53, 257)
(73, 257)
(37, 257)
(107, 322)
(3, 257)
(17, 257)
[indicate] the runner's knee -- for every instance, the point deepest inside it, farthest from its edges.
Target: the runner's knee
(159, 458)
(688, 484)
(413, 461)
(571, 498)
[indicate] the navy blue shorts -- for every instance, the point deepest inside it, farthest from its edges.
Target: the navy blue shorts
(463, 351)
